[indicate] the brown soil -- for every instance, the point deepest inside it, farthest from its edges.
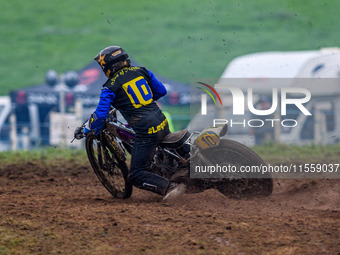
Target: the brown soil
(65, 210)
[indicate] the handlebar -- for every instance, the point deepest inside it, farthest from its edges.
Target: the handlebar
(79, 132)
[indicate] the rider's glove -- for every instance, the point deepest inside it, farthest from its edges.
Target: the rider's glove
(78, 133)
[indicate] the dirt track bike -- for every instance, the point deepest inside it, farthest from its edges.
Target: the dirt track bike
(107, 153)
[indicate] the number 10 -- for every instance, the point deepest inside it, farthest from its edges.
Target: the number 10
(138, 92)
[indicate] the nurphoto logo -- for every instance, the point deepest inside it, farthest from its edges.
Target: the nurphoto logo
(280, 98)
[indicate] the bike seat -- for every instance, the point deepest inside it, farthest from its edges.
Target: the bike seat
(175, 140)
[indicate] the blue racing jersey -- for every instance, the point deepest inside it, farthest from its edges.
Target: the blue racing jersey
(133, 91)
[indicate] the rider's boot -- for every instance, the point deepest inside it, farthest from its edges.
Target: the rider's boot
(174, 190)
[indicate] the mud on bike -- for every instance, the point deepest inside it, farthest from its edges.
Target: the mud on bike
(107, 153)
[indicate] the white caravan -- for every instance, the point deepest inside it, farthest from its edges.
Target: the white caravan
(258, 71)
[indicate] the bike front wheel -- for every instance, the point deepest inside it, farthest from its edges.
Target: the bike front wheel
(107, 165)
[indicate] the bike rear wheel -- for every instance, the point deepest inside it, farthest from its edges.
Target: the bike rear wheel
(110, 170)
(236, 154)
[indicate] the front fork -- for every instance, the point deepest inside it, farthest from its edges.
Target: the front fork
(100, 155)
(109, 163)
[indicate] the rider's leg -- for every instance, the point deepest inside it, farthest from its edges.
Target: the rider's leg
(142, 154)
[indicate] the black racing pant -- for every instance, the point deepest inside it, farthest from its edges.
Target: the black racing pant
(142, 154)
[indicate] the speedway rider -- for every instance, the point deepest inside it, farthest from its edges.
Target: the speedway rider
(133, 91)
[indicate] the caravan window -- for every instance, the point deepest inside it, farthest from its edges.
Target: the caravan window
(307, 132)
(292, 113)
(321, 121)
(330, 117)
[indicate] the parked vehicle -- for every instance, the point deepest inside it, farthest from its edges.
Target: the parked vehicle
(265, 70)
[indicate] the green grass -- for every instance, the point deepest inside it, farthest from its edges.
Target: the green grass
(271, 153)
(281, 153)
(178, 39)
(46, 155)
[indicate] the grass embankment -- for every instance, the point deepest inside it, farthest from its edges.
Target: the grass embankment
(178, 39)
(44, 156)
(271, 153)
(280, 153)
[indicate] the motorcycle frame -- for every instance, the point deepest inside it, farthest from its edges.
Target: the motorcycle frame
(116, 128)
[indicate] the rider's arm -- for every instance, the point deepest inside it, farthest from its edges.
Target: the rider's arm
(98, 118)
(158, 89)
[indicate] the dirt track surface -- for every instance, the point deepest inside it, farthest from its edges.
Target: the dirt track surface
(65, 210)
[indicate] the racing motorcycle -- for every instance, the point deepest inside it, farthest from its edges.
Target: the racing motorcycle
(174, 157)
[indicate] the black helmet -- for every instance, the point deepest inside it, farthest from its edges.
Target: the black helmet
(111, 59)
